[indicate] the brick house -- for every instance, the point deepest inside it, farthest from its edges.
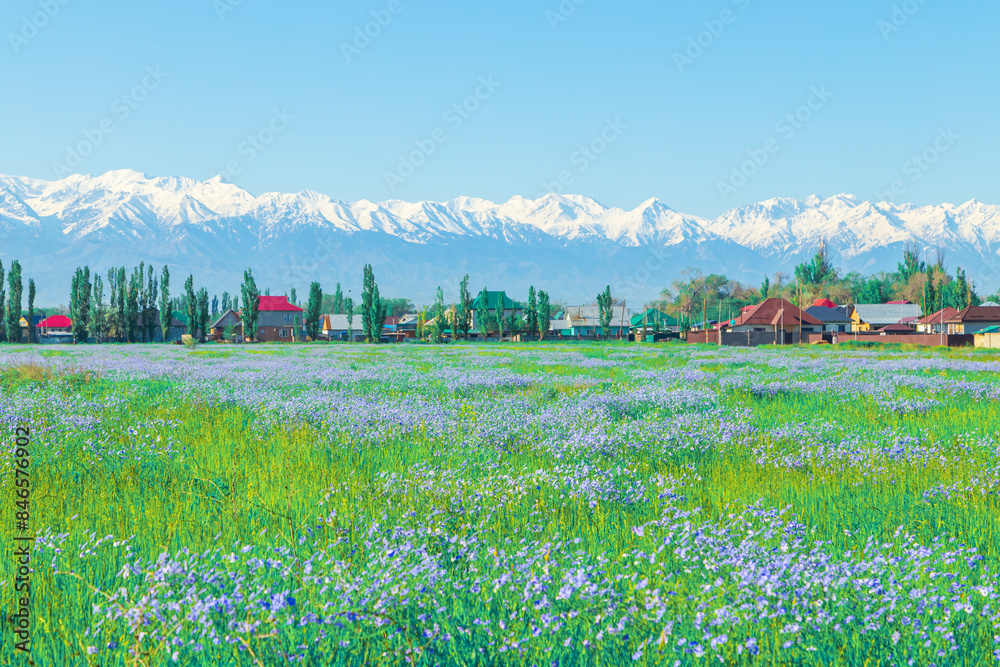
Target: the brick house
(278, 320)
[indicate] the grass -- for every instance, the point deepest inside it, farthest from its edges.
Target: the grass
(243, 472)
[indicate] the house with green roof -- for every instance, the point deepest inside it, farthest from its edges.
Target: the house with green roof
(510, 307)
(653, 319)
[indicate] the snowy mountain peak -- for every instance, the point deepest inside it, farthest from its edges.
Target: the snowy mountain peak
(217, 224)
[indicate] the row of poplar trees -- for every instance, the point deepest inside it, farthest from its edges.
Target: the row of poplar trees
(10, 305)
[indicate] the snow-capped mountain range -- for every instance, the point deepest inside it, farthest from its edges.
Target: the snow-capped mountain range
(569, 245)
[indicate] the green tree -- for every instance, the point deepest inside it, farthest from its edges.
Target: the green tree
(544, 314)
(14, 304)
(165, 312)
(132, 307)
(373, 310)
(338, 301)
(192, 306)
(3, 306)
(79, 303)
(203, 312)
(440, 320)
(765, 287)
(930, 293)
(531, 315)
(122, 298)
(498, 312)
(605, 307)
(911, 264)
(483, 313)
(251, 305)
(293, 299)
(349, 311)
(313, 314)
(463, 310)
(32, 334)
(98, 321)
(817, 272)
(152, 291)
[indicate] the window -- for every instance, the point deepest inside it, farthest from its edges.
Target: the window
(283, 333)
(288, 317)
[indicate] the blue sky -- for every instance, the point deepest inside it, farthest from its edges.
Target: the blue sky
(705, 105)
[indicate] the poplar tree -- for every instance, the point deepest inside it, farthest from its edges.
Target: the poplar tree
(79, 303)
(543, 314)
(153, 287)
(192, 306)
(338, 301)
(97, 319)
(531, 316)
(14, 305)
(3, 306)
(166, 314)
(132, 307)
(313, 309)
(121, 287)
(605, 307)
(439, 315)
(251, 305)
(203, 312)
(373, 309)
(31, 310)
(483, 313)
(498, 314)
(463, 309)
(349, 309)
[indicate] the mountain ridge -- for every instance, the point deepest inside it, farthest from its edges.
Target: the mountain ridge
(217, 228)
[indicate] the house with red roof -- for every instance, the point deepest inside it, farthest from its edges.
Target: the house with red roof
(773, 315)
(55, 324)
(824, 303)
(278, 320)
(935, 322)
(973, 319)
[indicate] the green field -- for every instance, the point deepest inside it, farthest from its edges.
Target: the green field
(570, 504)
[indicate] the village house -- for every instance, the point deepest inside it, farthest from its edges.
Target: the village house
(336, 327)
(874, 316)
(278, 320)
(775, 315)
(653, 319)
(973, 319)
(54, 324)
(510, 307)
(586, 321)
(834, 318)
(229, 320)
(935, 322)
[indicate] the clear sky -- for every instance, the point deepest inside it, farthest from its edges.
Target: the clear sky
(667, 99)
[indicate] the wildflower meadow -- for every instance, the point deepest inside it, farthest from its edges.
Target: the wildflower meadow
(504, 504)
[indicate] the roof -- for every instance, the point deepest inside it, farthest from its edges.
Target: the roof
(990, 304)
(491, 302)
(976, 314)
(992, 329)
(939, 317)
(391, 321)
(898, 327)
(218, 321)
(590, 316)
(901, 302)
(886, 313)
(338, 322)
(824, 303)
(56, 322)
(774, 311)
(653, 315)
(276, 303)
(828, 315)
